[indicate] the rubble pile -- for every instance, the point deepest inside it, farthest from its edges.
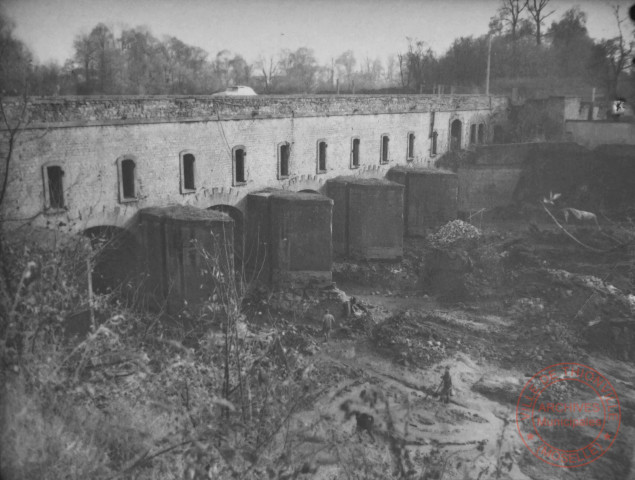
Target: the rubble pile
(290, 301)
(400, 274)
(449, 261)
(362, 324)
(453, 232)
(301, 338)
(411, 338)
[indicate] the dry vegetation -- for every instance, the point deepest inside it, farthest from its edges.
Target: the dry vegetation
(245, 388)
(139, 395)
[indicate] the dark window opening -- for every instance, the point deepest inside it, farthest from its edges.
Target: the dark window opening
(384, 149)
(322, 157)
(355, 162)
(239, 165)
(499, 134)
(55, 186)
(411, 146)
(456, 132)
(285, 153)
(434, 143)
(127, 178)
(481, 133)
(473, 133)
(188, 172)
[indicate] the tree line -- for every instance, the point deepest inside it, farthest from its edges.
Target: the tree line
(561, 58)
(523, 53)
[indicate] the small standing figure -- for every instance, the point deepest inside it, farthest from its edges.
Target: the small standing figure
(618, 108)
(327, 324)
(446, 385)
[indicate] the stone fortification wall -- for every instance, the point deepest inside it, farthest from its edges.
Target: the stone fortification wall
(500, 175)
(592, 134)
(77, 111)
(84, 141)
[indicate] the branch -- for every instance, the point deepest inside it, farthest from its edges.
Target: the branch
(13, 134)
(549, 14)
(593, 249)
(537, 8)
(145, 458)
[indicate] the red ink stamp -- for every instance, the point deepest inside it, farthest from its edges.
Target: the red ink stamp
(568, 415)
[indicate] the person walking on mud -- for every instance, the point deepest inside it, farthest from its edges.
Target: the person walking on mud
(327, 324)
(446, 386)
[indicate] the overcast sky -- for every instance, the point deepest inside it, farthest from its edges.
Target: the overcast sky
(251, 27)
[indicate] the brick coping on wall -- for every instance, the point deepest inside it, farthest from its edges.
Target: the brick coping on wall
(61, 112)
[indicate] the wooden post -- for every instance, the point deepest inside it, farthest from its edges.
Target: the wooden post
(338, 86)
(89, 270)
(489, 56)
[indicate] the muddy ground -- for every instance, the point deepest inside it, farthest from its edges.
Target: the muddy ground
(496, 309)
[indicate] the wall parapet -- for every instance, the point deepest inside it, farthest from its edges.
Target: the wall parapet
(592, 134)
(104, 110)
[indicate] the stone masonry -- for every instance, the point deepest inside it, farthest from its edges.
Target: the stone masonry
(85, 146)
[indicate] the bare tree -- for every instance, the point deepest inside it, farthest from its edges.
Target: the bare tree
(509, 14)
(84, 55)
(389, 74)
(404, 72)
(240, 71)
(347, 61)
(536, 9)
(222, 67)
(374, 69)
(13, 129)
(420, 64)
(269, 66)
(618, 52)
(300, 68)
(15, 66)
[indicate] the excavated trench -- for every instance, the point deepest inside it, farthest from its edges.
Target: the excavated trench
(530, 298)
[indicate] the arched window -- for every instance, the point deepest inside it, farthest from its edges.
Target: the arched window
(481, 133)
(53, 186)
(499, 134)
(188, 172)
(239, 155)
(433, 146)
(355, 152)
(410, 155)
(456, 133)
(433, 135)
(284, 156)
(473, 134)
(383, 154)
(321, 156)
(126, 168)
